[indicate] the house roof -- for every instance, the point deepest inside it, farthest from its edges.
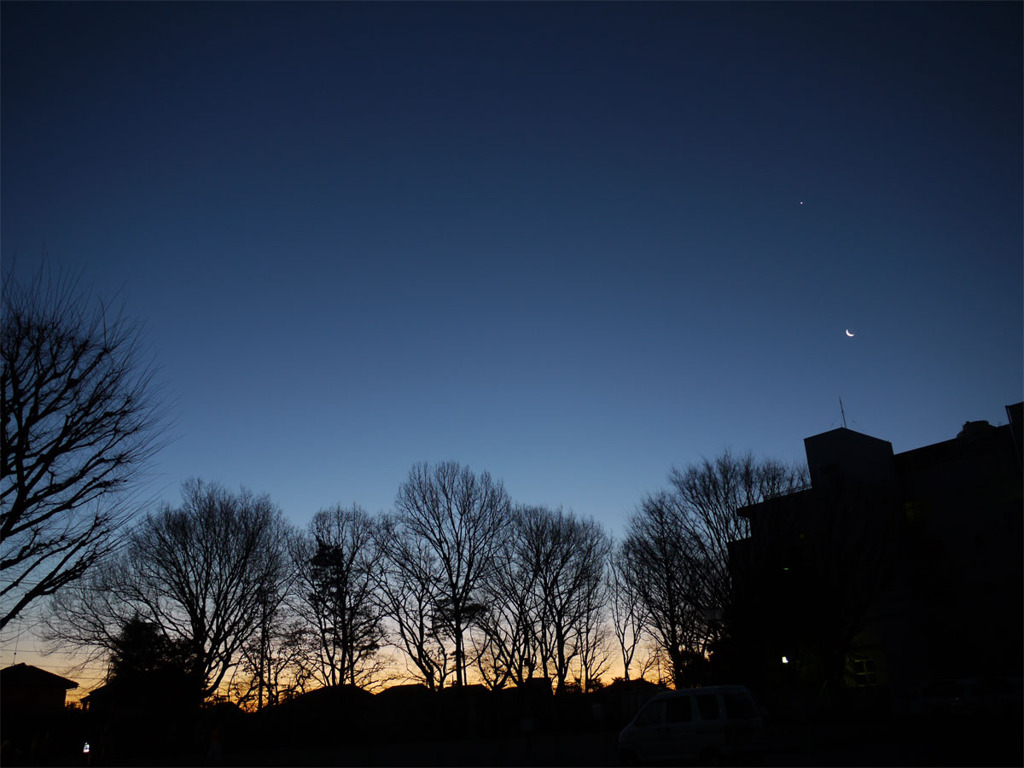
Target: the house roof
(25, 675)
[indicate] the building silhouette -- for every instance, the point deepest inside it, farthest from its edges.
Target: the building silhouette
(890, 569)
(34, 724)
(32, 692)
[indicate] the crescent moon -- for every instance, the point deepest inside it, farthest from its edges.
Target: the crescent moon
(851, 335)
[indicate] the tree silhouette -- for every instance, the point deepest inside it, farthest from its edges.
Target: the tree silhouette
(143, 660)
(676, 551)
(707, 497)
(507, 645)
(338, 593)
(409, 582)
(593, 630)
(654, 561)
(628, 614)
(569, 557)
(274, 663)
(200, 572)
(461, 519)
(80, 422)
(275, 648)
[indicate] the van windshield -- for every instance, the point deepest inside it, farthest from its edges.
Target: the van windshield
(651, 714)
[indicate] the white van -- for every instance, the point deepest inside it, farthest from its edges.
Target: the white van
(704, 725)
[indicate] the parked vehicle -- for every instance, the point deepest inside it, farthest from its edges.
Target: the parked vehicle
(704, 725)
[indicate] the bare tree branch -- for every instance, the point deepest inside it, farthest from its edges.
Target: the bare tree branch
(408, 585)
(81, 419)
(676, 552)
(338, 593)
(461, 517)
(200, 572)
(568, 556)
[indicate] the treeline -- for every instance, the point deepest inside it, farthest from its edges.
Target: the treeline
(456, 585)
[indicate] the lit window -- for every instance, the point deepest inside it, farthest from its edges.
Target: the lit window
(865, 673)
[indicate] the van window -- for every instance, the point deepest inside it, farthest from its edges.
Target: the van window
(707, 703)
(739, 706)
(678, 710)
(651, 714)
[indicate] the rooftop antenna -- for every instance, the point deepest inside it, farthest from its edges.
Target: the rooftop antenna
(843, 412)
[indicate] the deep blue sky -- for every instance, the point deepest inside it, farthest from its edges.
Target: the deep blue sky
(573, 245)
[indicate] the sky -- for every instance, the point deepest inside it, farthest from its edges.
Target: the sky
(573, 245)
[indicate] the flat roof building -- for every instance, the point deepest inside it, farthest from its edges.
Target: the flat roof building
(910, 564)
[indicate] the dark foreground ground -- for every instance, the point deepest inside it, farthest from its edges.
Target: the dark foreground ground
(339, 728)
(932, 742)
(920, 747)
(600, 750)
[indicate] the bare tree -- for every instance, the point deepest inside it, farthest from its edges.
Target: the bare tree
(507, 649)
(80, 422)
(337, 593)
(568, 556)
(272, 650)
(593, 632)
(200, 572)
(274, 664)
(628, 615)
(654, 561)
(708, 496)
(676, 552)
(461, 517)
(408, 584)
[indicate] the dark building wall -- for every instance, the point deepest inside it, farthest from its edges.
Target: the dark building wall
(27, 690)
(964, 571)
(952, 514)
(843, 459)
(31, 700)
